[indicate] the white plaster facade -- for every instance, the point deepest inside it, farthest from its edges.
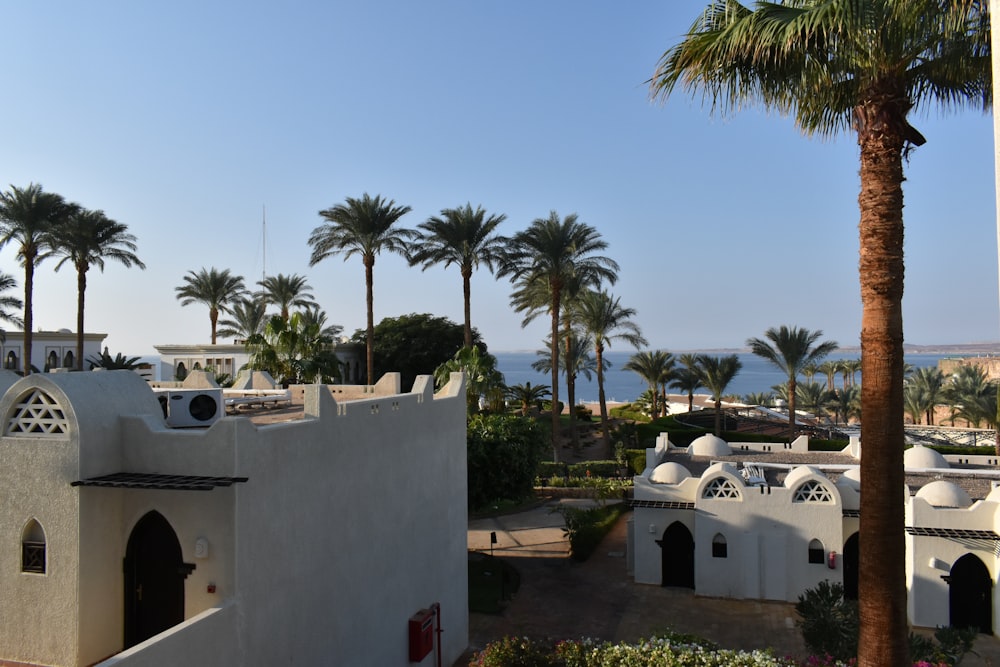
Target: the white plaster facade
(49, 349)
(350, 520)
(724, 535)
(231, 358)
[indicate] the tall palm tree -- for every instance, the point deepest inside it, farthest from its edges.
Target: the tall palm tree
(574, 361)
(716, 373)
(817, 60)
(928, 383)
(653, 367)
(85, 239)
(551, 253)
(214, 288)
(246, 318)
(829, 369)
(972, 395)
(791, 349)
(317, 316)
(813, 396)
(8, 304)
(362, 227)
(26, 219)
(846, 403)
(686, 379)
(462, 237)
(602, 317)
(287, 292)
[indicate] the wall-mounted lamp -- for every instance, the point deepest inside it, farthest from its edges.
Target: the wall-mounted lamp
(201, 548)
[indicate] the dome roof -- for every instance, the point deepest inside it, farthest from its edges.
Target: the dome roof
(851, 478)
(919, 456)
(669, 473)
(944, 494)
(799, 473)
(709, 445)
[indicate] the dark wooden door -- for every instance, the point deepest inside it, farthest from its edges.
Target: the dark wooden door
(851, 557)
(154, 579)
(677, 548)
(970, 595)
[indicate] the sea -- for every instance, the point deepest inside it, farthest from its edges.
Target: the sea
(756, 375)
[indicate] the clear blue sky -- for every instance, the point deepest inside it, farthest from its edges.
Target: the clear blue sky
(182, 120)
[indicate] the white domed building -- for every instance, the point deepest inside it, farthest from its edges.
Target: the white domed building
(769, 531)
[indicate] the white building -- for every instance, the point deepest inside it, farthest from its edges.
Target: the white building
(176, 361)
(49, 349)
(770, 532)
(324, 540)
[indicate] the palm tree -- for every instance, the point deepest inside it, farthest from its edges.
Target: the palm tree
(527, 394)
(818, 61)
(216, 289)
(972, 395)
(574, 361)
(26, 219)
(846, 403)
(462, 237)
(929, 383)
(851, 368)
(716, 373)
(602, 317)
(86, 238)
(293, 350)
(761, 398)
(287, 292)
(552, 253)
(813, 396)
(362, 227)
(829, 369)
(485, 381)
(653, 367)
(317, 316)
(791, 349)
(9, 303)
(686, 379)
(247, 318)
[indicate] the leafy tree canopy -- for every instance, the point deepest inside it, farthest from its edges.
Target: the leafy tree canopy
(416, 344)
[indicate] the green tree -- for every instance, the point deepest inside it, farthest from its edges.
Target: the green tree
(527, 394)
(846, 403)
(416, 344)
(813, 396)
(654, 367)
(27, 216)
(972, 395)
(553, 252)
(574, 361)
(287, 292)
(484, 382)
(926, 384)
(686, 379)
(716, 373)
(246, 318)
(216, 289)
(8, 304)
(293, 350)
(829, 369)
(118, 362)
(86, 239)
(462, 237)
(503, 456)
(363, 227)
(761, 398)
(316, 315)
(791, 349)
(859, 65)
(603, 319)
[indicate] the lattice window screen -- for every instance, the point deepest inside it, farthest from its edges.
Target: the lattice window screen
(37, 415)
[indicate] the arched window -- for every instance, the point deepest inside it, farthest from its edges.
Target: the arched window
(812, 492)
(816, 552)
(181, 371)
(197, 365)
(719, 547)
(37, 415)
(53, 360)
(720, 487)
(68, 360)
(33, 548)
(11, 362)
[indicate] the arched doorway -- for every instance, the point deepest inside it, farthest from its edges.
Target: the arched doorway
(677, 548)
(970, 595)
(851, 567)
(154, 579)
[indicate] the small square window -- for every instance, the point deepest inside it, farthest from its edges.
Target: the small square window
(33, 557)
(720, 550)
(816, 556)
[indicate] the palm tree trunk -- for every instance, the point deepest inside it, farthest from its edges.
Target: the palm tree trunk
(690, 401)
(602, 401)
(213, 316)
(81, 290)
(718, 416)
(370, 330)
(554, 352)
(881, 580)
(29, 285)
(792, 385)
(467, 295)
(571, 392)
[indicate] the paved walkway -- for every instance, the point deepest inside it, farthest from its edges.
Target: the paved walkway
(562, 599)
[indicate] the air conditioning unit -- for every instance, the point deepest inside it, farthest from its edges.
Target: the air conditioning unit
(184, 408)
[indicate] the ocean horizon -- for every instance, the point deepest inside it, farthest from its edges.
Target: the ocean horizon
(756, 375)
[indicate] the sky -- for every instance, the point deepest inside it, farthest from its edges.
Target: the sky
(192, 122)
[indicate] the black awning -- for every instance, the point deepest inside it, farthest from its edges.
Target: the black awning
(953, 533)
(142, 480)
(661, 504)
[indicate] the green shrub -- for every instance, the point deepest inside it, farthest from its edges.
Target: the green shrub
(583, 413)
(585, 528)
(547, 406)
(829, 622)
(628, 411)
(594, 469)
(515, 652)
(821, 445)
(638, 462)
(552, 469)
(503, 456)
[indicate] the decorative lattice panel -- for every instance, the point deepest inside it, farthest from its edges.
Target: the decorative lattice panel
(38, 415)
(812, 492)
(720, 487)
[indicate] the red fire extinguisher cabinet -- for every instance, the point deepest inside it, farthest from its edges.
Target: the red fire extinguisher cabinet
(421, 635)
